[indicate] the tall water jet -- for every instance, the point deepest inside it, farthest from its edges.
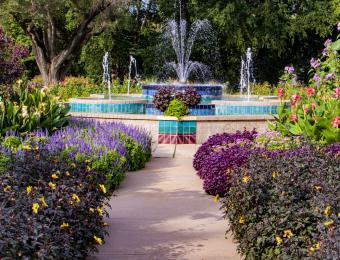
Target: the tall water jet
(132, 62)
(247, 78)
(182, 41)
(106, 73)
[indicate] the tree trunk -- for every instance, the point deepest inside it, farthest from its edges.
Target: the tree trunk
(53, 63)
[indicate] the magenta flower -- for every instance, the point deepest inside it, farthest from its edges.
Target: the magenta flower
(336, 122)
(310, 91)
(306, 110)
(294, 117)
(281, 92)
(337, 93)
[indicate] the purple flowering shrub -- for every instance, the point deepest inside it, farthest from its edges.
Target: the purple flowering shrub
(11, 55)
(50, 208)
(219, 141)
(163, 97)
(190, 96)
(110, 147)
(314, 108)
(285, 204)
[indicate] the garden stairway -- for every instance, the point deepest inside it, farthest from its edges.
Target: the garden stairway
(162, 212)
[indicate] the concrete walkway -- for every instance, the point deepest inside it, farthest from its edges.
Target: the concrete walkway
(162, 213)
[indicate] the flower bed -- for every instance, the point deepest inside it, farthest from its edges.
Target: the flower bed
(53, 188)
(280, 194)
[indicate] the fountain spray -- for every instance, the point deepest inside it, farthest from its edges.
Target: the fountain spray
(106, 73)
(132, 62)
(247, 73)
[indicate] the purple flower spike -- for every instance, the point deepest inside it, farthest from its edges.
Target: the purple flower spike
(289, 69)
(316, 78)
(315, 63)
(328, 42)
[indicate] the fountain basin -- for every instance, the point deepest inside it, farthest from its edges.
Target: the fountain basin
(100, 104)
(208, 92)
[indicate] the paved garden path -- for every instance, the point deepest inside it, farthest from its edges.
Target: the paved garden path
(162, 213)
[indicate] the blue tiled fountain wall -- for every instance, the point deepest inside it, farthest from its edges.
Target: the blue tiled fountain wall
(199, 110)
(208, 92)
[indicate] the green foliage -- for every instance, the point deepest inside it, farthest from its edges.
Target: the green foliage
(263, 89)
(177, 108)
(135, 155)
(285, 205)
(73, 87)
(315, 110)
(32, 109)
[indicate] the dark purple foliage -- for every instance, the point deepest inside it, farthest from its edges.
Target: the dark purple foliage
(11, 54)
(217, 141)
(218, 166)
(190, 96)
(163, 98)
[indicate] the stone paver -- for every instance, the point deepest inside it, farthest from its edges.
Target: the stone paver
(162, 213)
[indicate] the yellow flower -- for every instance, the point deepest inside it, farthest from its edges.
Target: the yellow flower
(246, 179)
(73, 165)
(216, 198)
(52, 185)
(67, 173)
(317, 246)
(88, 168)
(275, 174)
(64, 225)
(26, 147)
(98, 240)
(35, 207)
(242, 220)
(288, 233)
(312, 249)
(7, 189)
(75, 197)
(102, 187)
(91, 210)
(279, 240)
(105, 224)
(317, 187)
(42, 199)
(327, 211)
(29, 189)
(54, 176)
(329, 223)
(100, 211)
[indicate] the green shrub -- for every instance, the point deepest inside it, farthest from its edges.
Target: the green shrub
(177, 108)
(263, 89)
(73, 87)
(285, 205)
(32, 109)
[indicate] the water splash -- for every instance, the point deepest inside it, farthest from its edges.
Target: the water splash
(247, 78)
(132, 62)
(106, 72)
(182, 41)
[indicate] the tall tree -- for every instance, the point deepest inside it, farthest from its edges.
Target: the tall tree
(58, 29)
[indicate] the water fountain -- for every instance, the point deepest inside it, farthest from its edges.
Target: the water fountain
(247, 78)
(215, 114)
(132, 62)
(182, 40)
(106, 73)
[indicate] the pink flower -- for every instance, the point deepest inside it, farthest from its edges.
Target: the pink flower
(281, 92)
(295, 98)
(63, 83)
(294, 117)
(313, 106)
(337, 93)
(336, 122)
(306, 110)
(310, 91)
